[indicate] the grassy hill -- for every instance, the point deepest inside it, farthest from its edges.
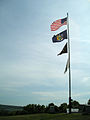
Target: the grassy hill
(10, 107)
(63, 116)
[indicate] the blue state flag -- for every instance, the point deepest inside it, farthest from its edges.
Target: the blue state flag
(59, 37)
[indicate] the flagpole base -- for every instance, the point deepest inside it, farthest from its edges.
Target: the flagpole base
(69, 105)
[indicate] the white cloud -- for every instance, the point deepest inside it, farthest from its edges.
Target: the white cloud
(41, 66)
(81, 94)
(58, 95)
(74, 30)
(86, 80)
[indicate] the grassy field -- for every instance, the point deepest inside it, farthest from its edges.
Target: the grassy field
(73, 116)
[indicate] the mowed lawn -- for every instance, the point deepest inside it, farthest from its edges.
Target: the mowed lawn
(74, 116)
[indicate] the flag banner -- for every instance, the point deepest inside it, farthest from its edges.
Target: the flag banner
(60, 37)
(58, 23)
(64, 50)
(67, 65)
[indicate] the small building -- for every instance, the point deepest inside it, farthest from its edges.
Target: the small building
(52, 109)
(73, 110)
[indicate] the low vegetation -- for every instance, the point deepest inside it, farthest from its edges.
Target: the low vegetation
(59, 116)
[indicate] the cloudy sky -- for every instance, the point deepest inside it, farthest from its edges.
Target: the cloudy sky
(30, 71)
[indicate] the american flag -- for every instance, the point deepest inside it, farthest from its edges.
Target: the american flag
(58, 23)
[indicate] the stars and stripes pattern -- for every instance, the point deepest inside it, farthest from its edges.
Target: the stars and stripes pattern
(58, 23)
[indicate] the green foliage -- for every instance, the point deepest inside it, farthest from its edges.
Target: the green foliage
(51, 104)
(60, 116)
(57, 109)
(33, 108)
(89, 102)
(63, 108)
(75, 104)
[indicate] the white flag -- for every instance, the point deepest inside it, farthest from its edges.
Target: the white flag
(67, 65)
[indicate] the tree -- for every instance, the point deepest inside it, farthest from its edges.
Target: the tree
(30, 108)
(56, 109)
(63, 107)
(34, 108)
(88, 102)
(51, 104)
(74, 104)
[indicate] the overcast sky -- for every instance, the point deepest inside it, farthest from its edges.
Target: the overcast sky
(30, 70)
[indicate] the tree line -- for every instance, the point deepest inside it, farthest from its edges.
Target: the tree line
(37, 108)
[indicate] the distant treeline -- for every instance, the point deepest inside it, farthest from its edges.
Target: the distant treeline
(37, 108)
(34, 108)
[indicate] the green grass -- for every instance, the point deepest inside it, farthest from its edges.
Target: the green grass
(74, 116)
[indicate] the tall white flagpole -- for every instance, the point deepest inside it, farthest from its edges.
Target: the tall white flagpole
(69, 64)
